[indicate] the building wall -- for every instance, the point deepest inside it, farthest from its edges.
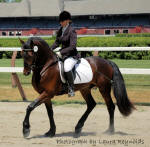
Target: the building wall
(26, 32)
(81, 31)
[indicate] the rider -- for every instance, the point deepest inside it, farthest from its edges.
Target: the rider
(67, 38)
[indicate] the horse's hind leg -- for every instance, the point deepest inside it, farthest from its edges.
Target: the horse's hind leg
(105, 91)
(86, 93)
(49, 109)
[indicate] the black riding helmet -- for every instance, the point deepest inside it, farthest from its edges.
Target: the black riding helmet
(64, 15)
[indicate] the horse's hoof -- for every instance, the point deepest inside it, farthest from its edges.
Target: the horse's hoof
(77, 135)
(77, 132)
(26, 132)
(49, 134)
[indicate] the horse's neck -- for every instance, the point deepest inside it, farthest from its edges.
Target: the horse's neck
(47, 57)
(45, 60)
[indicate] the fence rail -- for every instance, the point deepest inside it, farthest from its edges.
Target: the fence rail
(90, 48)
(123, 70)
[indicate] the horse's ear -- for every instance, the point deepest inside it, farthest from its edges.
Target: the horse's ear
(21, 41)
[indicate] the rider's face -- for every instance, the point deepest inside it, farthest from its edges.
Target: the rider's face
(64, 23)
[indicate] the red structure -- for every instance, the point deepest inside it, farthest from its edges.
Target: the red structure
(80, 31)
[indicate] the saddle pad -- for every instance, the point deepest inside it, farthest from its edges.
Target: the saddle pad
(83, 72)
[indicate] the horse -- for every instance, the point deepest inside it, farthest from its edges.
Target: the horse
(43, 62)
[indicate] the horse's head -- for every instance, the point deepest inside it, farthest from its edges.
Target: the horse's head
(29, 51)
(36, 53)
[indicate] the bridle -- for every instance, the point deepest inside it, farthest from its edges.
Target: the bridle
(33, 66)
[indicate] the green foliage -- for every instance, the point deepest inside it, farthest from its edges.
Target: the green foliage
(88, 41)
(18, 0)
(98, 42)
(6, 1)
(133, 35)
(113, 41)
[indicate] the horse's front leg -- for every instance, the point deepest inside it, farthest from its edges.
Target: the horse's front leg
(26, 125)
(52, 129)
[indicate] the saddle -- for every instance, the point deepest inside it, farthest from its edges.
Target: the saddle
(82, 71)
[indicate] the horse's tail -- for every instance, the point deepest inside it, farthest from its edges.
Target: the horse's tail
(120, 93)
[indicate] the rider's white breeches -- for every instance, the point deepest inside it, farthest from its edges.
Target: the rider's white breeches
(69, 64)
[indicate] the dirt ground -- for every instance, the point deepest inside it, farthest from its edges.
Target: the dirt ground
(131, 131)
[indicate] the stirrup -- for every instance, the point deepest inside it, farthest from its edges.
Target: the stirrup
(71, 93)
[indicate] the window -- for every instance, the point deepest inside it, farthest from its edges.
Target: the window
(4, 33)
(107, 32)
(92, 17)
(18, 33)
(116, 31)
(125, 31)
(11, 33)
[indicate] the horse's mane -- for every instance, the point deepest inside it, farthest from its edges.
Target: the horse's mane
(42, 41)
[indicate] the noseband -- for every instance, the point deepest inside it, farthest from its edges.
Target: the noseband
(33, 65)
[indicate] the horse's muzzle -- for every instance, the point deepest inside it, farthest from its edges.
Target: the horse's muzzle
(26, 73)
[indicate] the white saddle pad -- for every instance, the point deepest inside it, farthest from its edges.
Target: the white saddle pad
(83, 72)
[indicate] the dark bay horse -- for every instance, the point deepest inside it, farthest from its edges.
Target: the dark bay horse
(47, 82)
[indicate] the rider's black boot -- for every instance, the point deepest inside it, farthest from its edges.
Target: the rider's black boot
(70, 82)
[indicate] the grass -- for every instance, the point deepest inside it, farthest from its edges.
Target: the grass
(132, 81)
(138, 86)
(7, 63)
(132, 63)
(121, 63)
(137, 81)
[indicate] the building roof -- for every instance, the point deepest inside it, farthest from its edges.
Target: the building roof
(30, 8)
(108, 7)
(36, 8)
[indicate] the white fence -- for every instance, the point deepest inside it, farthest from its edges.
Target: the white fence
(11, 69)
(90, 49)
(123, 70)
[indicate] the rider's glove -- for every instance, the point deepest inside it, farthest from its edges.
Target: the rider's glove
(59, 54)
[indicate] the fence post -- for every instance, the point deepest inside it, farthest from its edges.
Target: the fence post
(15, 78)
(19, 86)
(95, 53)
(13, 58)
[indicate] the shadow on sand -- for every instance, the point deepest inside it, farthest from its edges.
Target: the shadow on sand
(72, 134)
(66, 134)
(123, 133)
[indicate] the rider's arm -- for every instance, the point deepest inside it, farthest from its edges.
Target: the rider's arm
(55, 44)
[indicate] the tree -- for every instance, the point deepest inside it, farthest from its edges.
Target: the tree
(5, 1)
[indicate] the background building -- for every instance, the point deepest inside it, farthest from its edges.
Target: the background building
(40, 17)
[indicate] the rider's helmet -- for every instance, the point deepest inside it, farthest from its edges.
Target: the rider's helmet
(64, 15)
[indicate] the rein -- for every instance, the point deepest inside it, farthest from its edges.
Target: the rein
(48, 66)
